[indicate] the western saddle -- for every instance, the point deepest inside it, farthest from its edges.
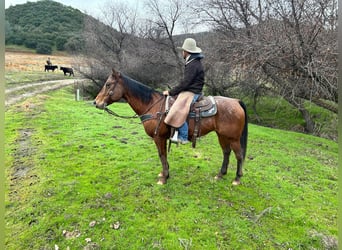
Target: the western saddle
(205, 106)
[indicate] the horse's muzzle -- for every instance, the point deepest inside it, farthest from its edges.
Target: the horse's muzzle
(100, 105)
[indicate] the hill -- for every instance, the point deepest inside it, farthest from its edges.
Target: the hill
(43, 26)
(77, 178)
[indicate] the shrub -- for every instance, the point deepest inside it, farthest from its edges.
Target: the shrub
(60, 41)
(30, 43)
(44, 48)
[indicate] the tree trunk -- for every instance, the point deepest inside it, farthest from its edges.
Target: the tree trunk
(309, 123)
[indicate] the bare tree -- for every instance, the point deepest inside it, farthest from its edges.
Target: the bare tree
(109, 43)
(290, 46)
(113, 35)
(167, 17)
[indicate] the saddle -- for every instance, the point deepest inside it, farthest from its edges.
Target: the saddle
(205, 106)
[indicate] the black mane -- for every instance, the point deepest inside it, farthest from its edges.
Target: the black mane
(139, 90)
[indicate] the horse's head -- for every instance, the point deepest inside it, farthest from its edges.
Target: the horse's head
(111, 91)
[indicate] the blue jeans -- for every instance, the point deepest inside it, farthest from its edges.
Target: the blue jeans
(183, 130)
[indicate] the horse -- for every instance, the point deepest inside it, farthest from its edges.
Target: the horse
(230, 122)
(67, 70)
(50, 67)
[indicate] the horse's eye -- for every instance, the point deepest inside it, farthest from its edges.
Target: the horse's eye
(107, 85)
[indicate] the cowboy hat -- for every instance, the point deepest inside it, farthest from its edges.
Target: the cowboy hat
(189, 45)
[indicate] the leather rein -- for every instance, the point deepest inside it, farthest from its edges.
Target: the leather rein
(120, 116)
(143, 116)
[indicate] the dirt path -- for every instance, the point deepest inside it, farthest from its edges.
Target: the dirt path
(23, 153)
(34, 89)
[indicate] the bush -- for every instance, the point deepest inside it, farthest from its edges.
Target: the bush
(60, 41)
(30, 43)
(74, 44)
(18, 40)
(44, 48)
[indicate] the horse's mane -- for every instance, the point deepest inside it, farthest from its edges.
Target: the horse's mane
(138, 89)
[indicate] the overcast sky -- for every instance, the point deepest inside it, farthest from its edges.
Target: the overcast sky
(91, 7)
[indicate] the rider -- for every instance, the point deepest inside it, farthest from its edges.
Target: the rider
(191, 84)
(48, 61)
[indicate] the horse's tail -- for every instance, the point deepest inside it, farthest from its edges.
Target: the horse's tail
(244, 136)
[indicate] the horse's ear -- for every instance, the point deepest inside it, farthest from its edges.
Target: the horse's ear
(115, 73)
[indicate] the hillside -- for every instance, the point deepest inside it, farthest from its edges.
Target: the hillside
(78, 178)
(43, 26)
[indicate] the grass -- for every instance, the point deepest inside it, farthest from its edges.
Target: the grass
(24, 67)
(275, 112)
(12, 79)
(79, 178)
(20, 48)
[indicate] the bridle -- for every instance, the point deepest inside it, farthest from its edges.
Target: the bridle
(111, 92)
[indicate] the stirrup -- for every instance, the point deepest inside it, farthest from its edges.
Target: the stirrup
(174, 138)
(174, 134)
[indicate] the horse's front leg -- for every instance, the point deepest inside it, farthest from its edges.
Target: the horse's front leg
(161, 146)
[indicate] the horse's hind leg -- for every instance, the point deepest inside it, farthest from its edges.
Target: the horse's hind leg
(226, 153)
(239, 158)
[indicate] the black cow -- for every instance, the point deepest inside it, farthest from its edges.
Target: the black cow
(67, 70)
(50, 67)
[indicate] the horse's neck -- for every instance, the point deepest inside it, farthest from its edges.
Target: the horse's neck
(140, 107)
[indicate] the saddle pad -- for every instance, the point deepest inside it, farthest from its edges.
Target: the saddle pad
(210, 111)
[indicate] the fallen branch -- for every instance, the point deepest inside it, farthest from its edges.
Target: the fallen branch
(257, 217)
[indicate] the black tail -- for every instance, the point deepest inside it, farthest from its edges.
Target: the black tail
(244, 136)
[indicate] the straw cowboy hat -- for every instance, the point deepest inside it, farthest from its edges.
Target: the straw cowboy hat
(189, 45)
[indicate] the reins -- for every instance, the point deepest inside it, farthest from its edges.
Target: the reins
(136, 115)
(120, 116)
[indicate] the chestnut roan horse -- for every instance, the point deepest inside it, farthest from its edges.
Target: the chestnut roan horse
(229, 123)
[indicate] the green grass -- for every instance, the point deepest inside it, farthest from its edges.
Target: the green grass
(83, 165)
(275, 112)
(14, 79)
(18, 48)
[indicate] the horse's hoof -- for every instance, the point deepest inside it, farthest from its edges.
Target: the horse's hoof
(236, 182)
(161, 182)
(219, 176)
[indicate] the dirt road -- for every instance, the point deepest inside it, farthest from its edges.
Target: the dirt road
(34, 89)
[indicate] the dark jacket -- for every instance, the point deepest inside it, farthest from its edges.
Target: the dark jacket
(193, 80)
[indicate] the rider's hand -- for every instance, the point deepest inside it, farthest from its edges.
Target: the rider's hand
(166, 92)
